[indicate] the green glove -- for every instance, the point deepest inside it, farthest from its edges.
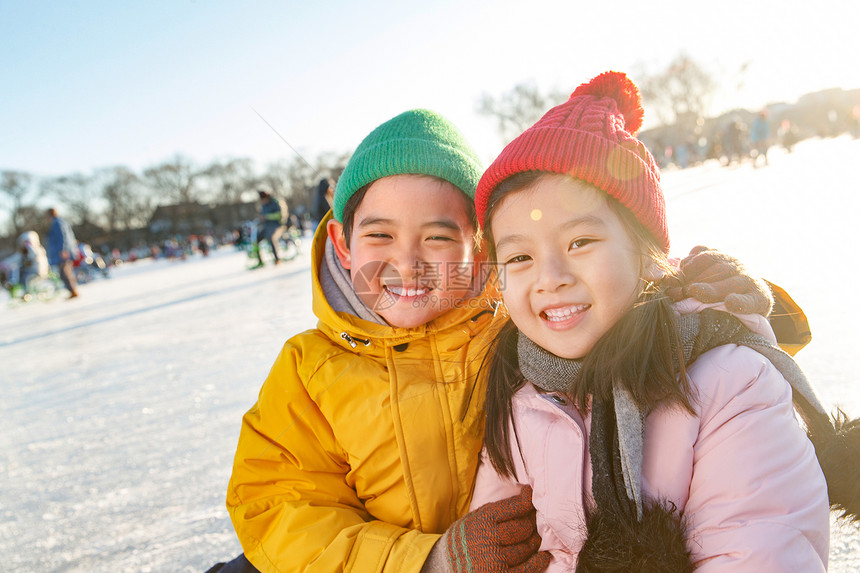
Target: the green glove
(711, 276)
(499, 537)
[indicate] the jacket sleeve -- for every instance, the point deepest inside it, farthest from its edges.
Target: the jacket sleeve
(289, 497)
(757, 496)
(69, 240)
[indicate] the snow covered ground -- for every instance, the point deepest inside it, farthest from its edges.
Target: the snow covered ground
(120, 410)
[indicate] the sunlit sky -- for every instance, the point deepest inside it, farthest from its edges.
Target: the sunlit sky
(85, 85)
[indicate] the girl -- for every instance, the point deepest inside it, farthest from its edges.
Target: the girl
(656, 437)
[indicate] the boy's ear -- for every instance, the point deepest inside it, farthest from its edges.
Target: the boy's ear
(341, 249)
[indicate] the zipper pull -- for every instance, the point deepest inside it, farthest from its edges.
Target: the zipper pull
(348, 338)
(351, 341)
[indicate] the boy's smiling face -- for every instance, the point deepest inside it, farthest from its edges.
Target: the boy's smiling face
(411, 254)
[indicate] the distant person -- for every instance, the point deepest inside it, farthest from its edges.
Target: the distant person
(86, 262)
(733, 141)
(760, 138)
(206, 242)
(62, 247)
(272, 216)
(32, 262)
(34, 259)
(322, 200)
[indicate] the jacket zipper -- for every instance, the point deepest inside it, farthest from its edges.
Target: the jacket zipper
(352, 340)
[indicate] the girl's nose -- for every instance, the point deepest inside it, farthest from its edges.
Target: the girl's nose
(553, 274)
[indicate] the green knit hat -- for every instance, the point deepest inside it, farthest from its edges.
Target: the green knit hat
(419, 142)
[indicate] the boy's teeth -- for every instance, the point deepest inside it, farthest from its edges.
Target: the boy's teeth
(399, 291)
(566, 312)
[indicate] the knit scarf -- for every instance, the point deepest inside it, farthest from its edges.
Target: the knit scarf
(617, 424)
(338, 289)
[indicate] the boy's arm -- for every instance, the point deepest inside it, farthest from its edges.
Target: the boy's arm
(711, 276)
(289, 499)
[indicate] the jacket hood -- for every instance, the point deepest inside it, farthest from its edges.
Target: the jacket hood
(357, 328)
(31, 237)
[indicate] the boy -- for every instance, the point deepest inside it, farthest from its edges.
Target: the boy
(363, 445)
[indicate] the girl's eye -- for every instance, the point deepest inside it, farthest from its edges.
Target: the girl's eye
(439, 238)
(517, 259)
(579, 243)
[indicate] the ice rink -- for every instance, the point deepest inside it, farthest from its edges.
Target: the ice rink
(120, 410)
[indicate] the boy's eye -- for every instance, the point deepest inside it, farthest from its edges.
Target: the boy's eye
(439, 238)
(378, 235)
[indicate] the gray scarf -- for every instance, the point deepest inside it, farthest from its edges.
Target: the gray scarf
(617, 427)
(338, 289)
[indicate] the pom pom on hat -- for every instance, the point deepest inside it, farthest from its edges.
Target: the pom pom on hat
(620, 88)
(590, 137)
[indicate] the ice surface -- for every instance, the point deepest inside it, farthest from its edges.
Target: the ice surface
(120, 410)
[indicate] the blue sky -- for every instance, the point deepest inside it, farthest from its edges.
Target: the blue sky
(85, 85)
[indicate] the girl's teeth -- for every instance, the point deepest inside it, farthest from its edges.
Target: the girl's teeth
(563, 313)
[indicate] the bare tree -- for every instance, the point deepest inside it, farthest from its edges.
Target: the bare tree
(128, 203)
(76, 193)
(276, 177)
(290, 179)
(33, 218)
(679, 95)
(231, 181)
(15, 185)
(296, 180)
(330, 165)
(518, 109)
(175, 181)
(300, 178)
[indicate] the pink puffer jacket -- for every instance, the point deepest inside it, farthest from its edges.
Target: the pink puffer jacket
(741, 470)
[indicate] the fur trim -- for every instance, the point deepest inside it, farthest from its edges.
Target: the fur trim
(838, 451)
(621, 544)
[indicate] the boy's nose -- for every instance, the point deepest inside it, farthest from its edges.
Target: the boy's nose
(408, 263)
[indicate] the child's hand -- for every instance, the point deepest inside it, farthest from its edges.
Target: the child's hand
(497, 537)
(711, 276)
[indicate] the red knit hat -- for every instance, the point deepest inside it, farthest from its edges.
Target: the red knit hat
(590, 137)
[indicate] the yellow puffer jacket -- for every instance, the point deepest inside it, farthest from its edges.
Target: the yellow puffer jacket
(364, 442)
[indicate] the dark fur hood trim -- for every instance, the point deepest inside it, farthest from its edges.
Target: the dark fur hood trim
(838, 449)
(621, 544)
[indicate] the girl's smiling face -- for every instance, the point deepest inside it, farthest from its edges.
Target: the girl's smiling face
(569, 268)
